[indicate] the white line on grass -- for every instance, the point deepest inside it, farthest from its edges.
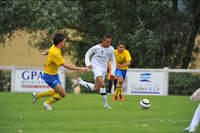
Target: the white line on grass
(173, 121)
(132, 121)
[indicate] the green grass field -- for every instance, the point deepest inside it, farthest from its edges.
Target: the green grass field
(84, 113)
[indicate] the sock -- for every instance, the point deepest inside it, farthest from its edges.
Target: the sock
(103, 95)
(46, 93)
(116, 91)
(87, 84)
(118, 87)
(56, 97)
(110, 83)
(120, 90)
(196, 118)
(115, 83)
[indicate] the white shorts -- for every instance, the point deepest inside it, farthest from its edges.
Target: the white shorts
(99, 72)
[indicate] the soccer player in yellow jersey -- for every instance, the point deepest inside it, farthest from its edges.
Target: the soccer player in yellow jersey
(123, 60)
(50, 76)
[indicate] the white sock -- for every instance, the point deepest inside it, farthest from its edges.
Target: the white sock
(196, 118)
(103, 95)
(87, 84)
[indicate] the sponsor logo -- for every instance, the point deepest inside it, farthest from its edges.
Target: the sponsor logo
(145, 77)
(31, 75)
(32, 79)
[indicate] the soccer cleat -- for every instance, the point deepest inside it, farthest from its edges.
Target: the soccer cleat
(121, 97)
(47, 106)
(187, 129)
(79, 79)
(34, 97)
(114, 97)
(107, 107)
(192, 129)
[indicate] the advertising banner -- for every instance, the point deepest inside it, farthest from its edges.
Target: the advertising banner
(146, 83)
(30, 80)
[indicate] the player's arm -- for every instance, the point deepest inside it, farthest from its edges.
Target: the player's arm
(45, 52)
(124, 65)
(128, 60)
(113, 64)
(58, 59)
(87, 57)
(72, 67)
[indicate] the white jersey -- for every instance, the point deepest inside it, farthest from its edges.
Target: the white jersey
(100, 58)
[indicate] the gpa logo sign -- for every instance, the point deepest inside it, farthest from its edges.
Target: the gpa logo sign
(30, 80)
(33, 79)
(32, 75)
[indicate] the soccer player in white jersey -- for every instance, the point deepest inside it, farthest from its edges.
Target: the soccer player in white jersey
(101, 54)
(196, 118)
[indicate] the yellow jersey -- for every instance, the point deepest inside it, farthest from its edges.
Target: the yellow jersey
(122, 58)
(54, 60)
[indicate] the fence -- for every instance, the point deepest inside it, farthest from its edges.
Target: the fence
(139, 81)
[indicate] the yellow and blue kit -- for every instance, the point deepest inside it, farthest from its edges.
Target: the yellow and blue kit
(122, 58)
(54, 60)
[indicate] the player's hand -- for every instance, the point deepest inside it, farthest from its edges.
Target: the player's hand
(83, 69)
(90, 67)
(44, 53)
(118, 65)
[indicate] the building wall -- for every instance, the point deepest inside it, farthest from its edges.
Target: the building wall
(18, 51)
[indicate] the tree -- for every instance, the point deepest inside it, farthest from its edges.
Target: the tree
(193, 31)
(157, 33)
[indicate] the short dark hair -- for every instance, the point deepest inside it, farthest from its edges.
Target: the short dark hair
(122, 42)
(107, 36)
(58, 37)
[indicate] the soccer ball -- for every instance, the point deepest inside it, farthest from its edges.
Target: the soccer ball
(145, 103)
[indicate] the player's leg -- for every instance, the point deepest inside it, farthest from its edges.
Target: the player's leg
(85, 84)
(60, 92)
(115, 83)
(97, 73)
(195, 120)
(119, 86)
(97, 86)
(118, 74)
(48, 79)
(120, 81)
(100, 79)
(36, 96)
(110, 83)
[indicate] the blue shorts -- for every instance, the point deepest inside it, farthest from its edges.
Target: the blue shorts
(51, 80)
(120, 73)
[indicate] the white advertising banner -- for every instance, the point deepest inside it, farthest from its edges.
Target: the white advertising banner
(147, 83)
(30, 80)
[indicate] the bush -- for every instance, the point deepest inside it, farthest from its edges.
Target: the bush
(5, 80)
(183, 83)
